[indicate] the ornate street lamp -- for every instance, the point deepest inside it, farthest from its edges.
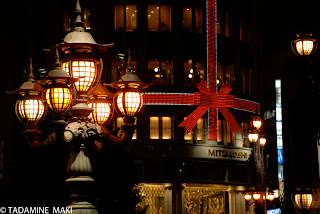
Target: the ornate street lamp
(30, 109)
(129, 97)
(256, 122)
(304, 45)
(253, 137)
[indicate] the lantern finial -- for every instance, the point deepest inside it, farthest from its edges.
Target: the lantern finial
(78, 22)
(129, 66)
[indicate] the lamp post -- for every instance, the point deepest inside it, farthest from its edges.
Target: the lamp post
(67, 90)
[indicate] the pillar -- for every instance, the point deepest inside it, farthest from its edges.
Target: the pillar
(174, 199)
(237, 203)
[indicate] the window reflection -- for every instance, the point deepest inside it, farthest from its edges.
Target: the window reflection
(161, 72)
(187, 18)
(159, 17)
(130, 16)
(194, 76)
(198, 20)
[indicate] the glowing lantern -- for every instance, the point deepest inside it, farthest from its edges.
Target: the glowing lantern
(303, 198)
(30, 108)
(58, 94)
(87, 72)
(304, 45)
(253, 137)
(257, 122)
(256, 196)
(270, 196)
(101, 105)
(263, 141)
(129, 98)
(247, 196)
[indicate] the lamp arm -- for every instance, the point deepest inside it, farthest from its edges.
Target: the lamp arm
(33, 142)
(128, 129)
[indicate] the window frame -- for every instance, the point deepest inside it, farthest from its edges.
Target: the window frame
(161, 128)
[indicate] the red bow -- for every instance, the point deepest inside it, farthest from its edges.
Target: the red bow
(211, 101)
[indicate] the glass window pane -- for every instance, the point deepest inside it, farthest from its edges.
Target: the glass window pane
(154, 128)
(165, 17)
(188, 69)
(153, 17)
(166, 71)
(187, 19)
(166, 128)
(86, 19)
(131, 17)
(187, 136)
(66, 22)
(118, 17)
(154, 69)
(219, 130)
(198, 20)
(200, 72)
(200, 129)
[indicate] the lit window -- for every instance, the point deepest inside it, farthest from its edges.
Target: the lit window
(187, 19)
(86, 19)
(198, 20)
(189, 72)
(159, 17)
(66, 22)
(220, 75)
(161, 128)
(224, 133)
(153, 17)
(119, 123)
(219, 22)
(200, 72)
(161, 72)
(200, 131)
(165, 17)
(130, 15)
(227, 25)
(154, 128)
(118, 17)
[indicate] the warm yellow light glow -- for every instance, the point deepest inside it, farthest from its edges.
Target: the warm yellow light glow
(130, 104)
(154, 128)
(256, 196)
(86, 71)
(303, 200)
(247, 196)
(304, 47)
(263, 141)
(101, 112)
(257, 123)
(166, 128)
(58, 99)
(270, 196)
(30, 110)
(253, 137)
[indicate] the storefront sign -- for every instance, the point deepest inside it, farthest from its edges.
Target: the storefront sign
(231, 154)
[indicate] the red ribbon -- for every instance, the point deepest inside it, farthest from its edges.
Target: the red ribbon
(211, 101)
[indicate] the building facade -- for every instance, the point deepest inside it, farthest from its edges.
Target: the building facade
(175, 171)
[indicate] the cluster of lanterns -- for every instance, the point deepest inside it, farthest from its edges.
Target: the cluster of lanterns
(78, 76)
(258, 195)
(254, 132)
